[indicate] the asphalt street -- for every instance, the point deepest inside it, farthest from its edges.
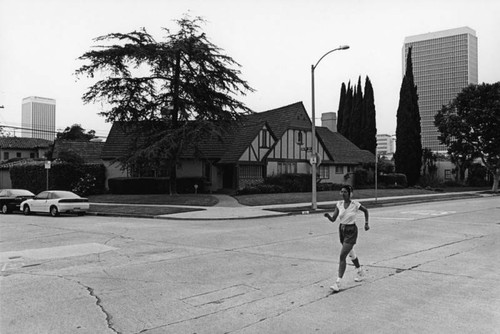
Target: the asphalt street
(430, 268)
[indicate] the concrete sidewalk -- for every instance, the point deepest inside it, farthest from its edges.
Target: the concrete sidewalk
(229, 208)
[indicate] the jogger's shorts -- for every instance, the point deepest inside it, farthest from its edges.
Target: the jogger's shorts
(348, 233)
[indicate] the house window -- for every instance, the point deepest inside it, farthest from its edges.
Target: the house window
(250, 171)
(350, 169)
(299, 138)
(287, 167)
(339, 169)
(32, 155)
(324, 172)
(264, 139)
(447, 174)
(6, 155)
(18, 154)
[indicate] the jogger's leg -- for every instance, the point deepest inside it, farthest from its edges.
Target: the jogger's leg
(346, 248)
(354, 258)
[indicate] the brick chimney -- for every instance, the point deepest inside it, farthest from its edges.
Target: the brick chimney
(329, 121)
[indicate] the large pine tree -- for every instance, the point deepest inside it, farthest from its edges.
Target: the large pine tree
(408, 156)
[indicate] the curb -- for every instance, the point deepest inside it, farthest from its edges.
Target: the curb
(302, 210)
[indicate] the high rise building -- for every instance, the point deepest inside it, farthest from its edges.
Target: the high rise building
(385, 145)
(38, 118)
(444, 62)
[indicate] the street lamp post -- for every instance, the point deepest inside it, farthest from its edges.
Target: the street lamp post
(314, 154)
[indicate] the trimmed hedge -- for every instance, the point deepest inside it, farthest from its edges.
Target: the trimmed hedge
(291, 183)
(86, 179)
(393, 180)
(155, 185)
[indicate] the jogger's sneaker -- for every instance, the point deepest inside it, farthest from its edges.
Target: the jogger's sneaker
(335, 287)
(360, 276)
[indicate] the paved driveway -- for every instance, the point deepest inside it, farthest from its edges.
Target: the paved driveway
(430, 269)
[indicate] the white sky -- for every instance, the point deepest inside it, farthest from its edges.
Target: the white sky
(275, 41)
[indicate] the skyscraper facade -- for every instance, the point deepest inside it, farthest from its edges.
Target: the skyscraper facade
(38, 118)
(444, 62)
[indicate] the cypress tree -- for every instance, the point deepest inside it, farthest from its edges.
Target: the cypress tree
(408, 156)
(346, 115)
(355, 122)
(340, 112)
(369, 130)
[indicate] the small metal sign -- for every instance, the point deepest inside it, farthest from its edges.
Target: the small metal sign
(47, 164)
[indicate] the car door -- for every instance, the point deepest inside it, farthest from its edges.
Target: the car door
(40, 202)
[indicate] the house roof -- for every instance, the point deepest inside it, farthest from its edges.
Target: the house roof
(90, 151)
(237, 139)
(23, 143)
(292, 116)
(341, 149)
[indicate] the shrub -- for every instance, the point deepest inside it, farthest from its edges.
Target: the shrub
(477, 176)
(360, 178)
(429, 180)
(451, 183)
(61, 176)
(392, 180)
(185, 185)
(138, 185)
(85, 185)
(291, 182)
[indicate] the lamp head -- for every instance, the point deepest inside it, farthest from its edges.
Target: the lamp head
(343, 47)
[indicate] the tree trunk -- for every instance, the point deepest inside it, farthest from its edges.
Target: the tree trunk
(496, 177)
(175, 124)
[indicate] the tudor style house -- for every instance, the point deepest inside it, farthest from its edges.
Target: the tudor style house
(268, 143)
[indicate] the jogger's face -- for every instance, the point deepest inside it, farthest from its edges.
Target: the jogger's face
(345, 194)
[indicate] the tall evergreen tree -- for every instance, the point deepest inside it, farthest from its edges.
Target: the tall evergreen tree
(408, 156)
(356, 121)
(347, 111)
(180, 90)
(369, 128)
(340, 113)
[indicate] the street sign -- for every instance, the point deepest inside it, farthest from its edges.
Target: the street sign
(315, 159)
(47, 164)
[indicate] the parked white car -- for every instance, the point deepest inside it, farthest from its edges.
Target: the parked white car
(56, 202)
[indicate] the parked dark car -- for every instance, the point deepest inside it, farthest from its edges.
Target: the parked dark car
(10, 199)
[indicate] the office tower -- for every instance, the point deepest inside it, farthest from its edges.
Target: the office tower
(444, 62)
(38, 118)
(385, 145)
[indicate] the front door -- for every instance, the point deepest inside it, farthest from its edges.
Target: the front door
(228, 177)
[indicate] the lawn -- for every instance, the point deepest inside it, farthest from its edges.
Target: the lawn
(158, 199)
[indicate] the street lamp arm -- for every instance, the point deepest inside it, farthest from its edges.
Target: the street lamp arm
(342, 47)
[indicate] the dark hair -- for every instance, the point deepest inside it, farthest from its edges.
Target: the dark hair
(348, 188)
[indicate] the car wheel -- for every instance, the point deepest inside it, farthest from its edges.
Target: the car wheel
(5, 209)
(53, 211)
(26, 210)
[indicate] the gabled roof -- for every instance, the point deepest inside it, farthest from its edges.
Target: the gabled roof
(90, 151)
(341, 149)
(237, 139)
(118, 140)
(292, 116)
(241, 140)
(23, 143)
